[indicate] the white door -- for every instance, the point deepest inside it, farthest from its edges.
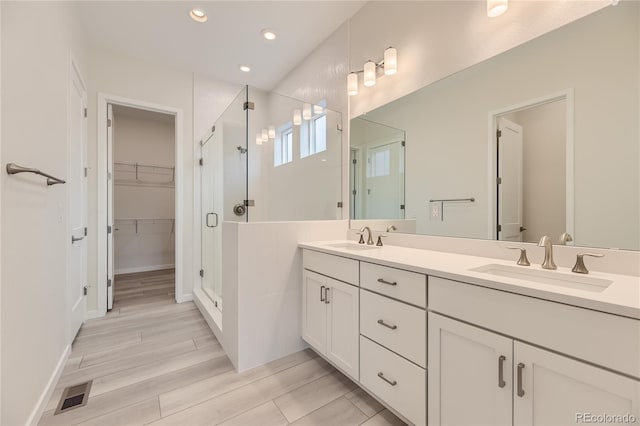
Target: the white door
(77, 193)
(510, 177)
(385, 182)
(343, 326)
(314, 311)
(110, 229)
(551, 389)
(470, 374)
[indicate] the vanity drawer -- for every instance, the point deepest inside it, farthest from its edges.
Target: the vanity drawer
(403, 328)
(337, 267)
(407, 392)
(407, 286)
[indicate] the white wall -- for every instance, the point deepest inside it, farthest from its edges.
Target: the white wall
(443, 120)
(147, 139)
(135, 79)
(438, 38)
(37, 39)
(544, 148)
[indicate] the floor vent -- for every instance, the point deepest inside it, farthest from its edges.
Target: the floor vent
(74, 397)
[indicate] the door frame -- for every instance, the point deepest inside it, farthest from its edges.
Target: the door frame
(568, 96)
(102, 193)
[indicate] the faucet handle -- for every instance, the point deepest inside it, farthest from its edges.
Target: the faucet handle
(522, 261)
(380, 237)
(579, 267)
(565, 237)
(361, 238)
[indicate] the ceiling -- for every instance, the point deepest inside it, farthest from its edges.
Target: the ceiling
(162, 32)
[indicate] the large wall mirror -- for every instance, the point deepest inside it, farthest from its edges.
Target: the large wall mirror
(543, 139)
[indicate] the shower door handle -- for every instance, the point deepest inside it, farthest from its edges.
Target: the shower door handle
(207, 220)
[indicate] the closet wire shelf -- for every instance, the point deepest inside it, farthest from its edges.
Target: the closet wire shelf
(138, 174)
(144, 226)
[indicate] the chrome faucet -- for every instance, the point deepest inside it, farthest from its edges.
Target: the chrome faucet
(565, 238)
(391, 228)
(369, 236)
(548, 262)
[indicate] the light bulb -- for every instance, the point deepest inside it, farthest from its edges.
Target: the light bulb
(272, 132)
(306, 111)
(496, 7)
(370, 74)
(259, 138)
(297, 117)
(390, 61)
(352, 84)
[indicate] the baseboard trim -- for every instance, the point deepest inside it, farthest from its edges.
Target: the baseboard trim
(93, 314)
(34, 418)
(185, 298)
(143, 269)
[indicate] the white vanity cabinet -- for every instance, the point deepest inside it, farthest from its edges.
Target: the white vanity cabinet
(330, 312)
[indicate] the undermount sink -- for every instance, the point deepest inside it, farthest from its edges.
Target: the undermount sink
(539, 276)
(352, 246)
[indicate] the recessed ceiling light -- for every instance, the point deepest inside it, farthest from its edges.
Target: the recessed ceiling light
(268, 34)
(198, 15)
(244, 68)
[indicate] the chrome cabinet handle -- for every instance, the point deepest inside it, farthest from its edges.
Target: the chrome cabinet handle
(501, 360)
(520, 389)
(383, 281)
(392, 327)
(391, 382)
(326, 295)
(207, 219)
(321, 293)
(74, 239)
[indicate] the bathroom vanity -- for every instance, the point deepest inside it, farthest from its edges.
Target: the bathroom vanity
(443, 338)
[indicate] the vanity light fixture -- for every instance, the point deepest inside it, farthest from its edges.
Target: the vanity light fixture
(265, 135)
(198, 15)
(268, 34)
(244, 68)
(496, 8)
(297, 117)
(306, 111)
(318, 109)
(389, 65)
(259, 138)
(272, 132)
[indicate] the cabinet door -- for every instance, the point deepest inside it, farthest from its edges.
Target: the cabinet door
(343, 326)
(470, 371)
(314, 311)
(552, 389)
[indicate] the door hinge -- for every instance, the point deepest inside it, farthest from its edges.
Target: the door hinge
(403, 143)
(213, 129)
(249, 105)
(499, 180)
(249, 203)
(85, 231)
(499, 228)
(86, 171)
(108, 175)
(353, 192)
(108, 229)
(201, 161)
(354, 161)
(401, 206)
(339, 127)
(108, 282)
(85, 113)
(499, 133)
(339, 204)
(202, 273)
(108, 122)
(84, 290)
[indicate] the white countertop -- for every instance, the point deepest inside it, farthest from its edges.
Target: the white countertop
(622, 297)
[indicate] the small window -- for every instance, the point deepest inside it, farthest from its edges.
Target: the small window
(283, 152)
(379, 162)
(313, 136)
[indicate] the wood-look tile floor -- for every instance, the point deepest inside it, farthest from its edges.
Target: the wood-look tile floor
(142, 288)
(156, 362)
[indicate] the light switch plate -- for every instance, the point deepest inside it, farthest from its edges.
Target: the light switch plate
(435, 211)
